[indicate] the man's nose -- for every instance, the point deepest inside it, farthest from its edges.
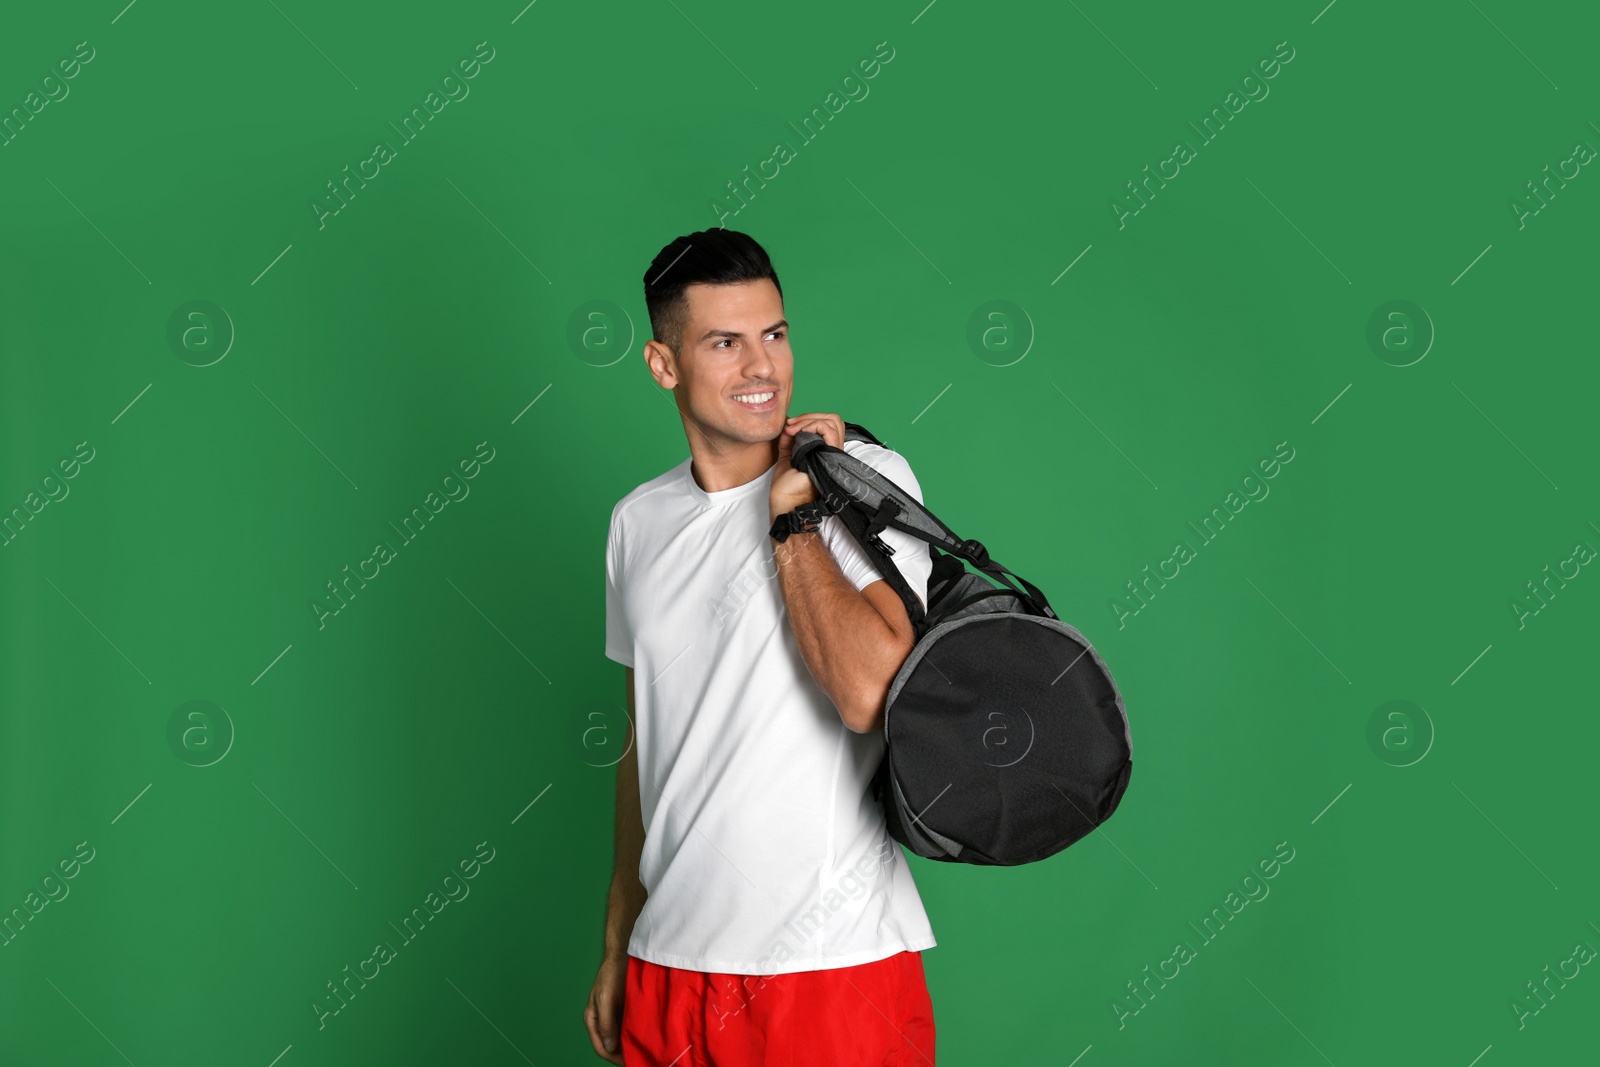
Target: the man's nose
(760, 363)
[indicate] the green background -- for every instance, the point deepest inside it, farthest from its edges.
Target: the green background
(371, 754)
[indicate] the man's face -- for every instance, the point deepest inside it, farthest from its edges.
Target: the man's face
(736, 345)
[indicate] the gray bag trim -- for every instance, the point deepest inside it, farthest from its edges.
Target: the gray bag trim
(917, 828)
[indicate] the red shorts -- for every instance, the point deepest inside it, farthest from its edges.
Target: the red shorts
(874, 1014)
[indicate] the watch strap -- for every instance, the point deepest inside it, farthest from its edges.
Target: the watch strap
(805, 518)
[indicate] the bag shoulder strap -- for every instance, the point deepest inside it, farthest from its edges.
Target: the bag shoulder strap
(853, 432)
(868, 502)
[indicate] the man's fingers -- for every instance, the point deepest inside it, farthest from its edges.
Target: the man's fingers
(608, 1021)
(602, 1037)
(611, 1024)
(828, 424)
(591, 1021)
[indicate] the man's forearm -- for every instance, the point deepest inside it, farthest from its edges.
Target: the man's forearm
(623, 904)
(627, 895)
(851, 650)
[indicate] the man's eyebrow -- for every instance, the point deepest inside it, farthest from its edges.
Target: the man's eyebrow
(779, 325)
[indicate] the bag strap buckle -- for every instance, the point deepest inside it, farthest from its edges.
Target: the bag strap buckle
(878, 521)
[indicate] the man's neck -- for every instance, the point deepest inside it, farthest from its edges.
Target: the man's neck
(724, 465)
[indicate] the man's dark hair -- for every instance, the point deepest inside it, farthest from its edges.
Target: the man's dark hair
(708, 257)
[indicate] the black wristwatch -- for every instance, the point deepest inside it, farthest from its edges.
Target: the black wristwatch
(806, 518)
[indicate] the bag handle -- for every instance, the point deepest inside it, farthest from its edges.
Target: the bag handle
(825, 463)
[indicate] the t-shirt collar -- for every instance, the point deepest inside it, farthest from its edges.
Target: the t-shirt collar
(760, 483)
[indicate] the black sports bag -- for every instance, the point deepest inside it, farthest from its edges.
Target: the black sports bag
(1006, 737)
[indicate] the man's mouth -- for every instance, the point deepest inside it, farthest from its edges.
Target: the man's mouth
(762, 401)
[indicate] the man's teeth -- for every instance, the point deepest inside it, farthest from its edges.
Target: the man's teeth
(755, 398)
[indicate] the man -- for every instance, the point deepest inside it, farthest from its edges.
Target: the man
(759, 911)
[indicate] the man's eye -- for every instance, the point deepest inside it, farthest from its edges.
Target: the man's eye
(776, 335)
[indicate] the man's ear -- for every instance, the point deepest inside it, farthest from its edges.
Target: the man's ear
(662, 363)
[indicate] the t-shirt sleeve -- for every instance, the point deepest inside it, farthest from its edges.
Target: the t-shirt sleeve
(619, 635)
(911, 554)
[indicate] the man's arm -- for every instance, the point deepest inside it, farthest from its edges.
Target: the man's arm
(602, 1014)
(627, 895)
(854, 642)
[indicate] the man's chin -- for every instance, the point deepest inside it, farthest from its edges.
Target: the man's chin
(747, 434)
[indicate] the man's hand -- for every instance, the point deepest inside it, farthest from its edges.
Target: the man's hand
(603, 1014)
(791, 488)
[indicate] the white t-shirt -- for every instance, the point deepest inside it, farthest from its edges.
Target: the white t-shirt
(764, 850)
